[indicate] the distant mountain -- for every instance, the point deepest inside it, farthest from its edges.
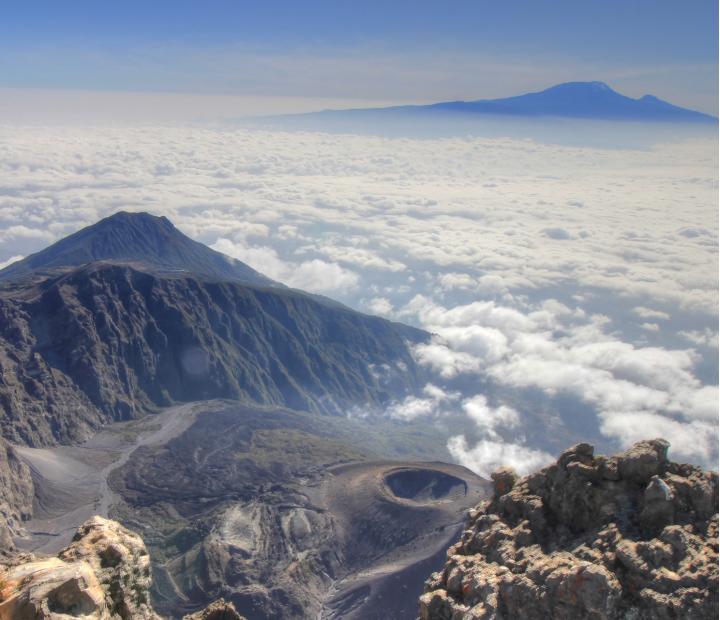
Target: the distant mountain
(136, 238)
(586, 100)
(129, 315)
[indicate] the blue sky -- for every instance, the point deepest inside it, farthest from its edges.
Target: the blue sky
(395, 51)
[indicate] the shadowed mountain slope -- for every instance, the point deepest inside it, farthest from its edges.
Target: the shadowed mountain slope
(82, 346)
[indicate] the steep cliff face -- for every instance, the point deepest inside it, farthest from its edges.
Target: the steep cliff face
(104, 574)
(16, 496)
(110, 342)
(630, 536)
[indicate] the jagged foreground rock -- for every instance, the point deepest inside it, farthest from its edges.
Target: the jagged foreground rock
(103, 574)
(633, 536)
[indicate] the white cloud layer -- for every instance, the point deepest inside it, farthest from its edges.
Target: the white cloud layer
(488, 455)
(538, 350)
(572, 271)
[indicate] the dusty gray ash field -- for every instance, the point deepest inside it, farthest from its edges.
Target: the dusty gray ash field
(277, 512)
(273, 510)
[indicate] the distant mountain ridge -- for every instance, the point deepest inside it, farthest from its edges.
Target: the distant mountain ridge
(581, 100)
(136, 237)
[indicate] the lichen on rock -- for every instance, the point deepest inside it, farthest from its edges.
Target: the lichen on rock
(629, 536)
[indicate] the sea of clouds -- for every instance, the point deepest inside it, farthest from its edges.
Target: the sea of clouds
(572, 291)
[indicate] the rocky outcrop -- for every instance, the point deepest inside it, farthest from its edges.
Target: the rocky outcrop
(104, 574)
(16, 496)
(630, 536)
(219, 610)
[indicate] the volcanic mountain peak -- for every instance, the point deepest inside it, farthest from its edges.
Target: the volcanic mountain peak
(572, 100)
(582, 100)
(139, 238)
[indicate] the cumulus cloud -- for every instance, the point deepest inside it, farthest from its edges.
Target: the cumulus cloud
(314, 275)
(691, 441)
(488, 455)
(649, 313)
(488, 418)
(430, 404)
(560, 351)
(445, 361)
(361, 257)
(380, 305)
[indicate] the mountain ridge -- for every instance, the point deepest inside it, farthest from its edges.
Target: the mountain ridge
(135, 237)
(581, 100)
(110, 340)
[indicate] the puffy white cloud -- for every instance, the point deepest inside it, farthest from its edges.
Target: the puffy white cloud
(488, 418)
(430, 404)
(453, 280)
(559, 350)
(649, 313)
(445, 361)
(380, 305)
(488, 455)
(319, 276)
(488, 344)
(360, 257)
(314, 275)
(693, 441)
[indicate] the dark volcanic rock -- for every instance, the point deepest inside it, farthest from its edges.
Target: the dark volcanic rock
(630, 536)
(110, 342)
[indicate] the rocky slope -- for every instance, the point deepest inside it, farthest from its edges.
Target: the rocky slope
(111, 341)
(104, 574)
(16, 496)
(630, 536)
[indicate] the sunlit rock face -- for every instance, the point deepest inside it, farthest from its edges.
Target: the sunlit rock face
(104, 574)
(629, 536)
